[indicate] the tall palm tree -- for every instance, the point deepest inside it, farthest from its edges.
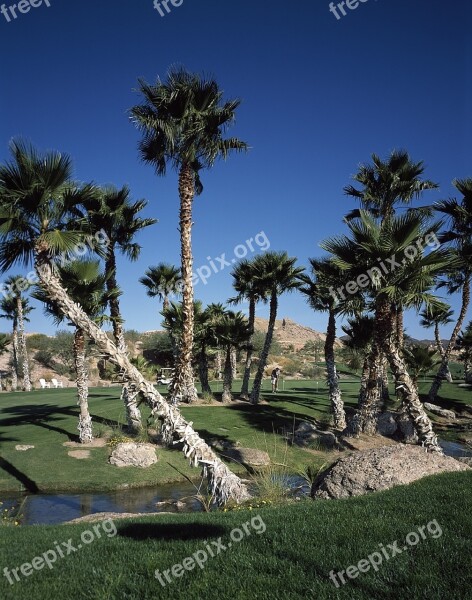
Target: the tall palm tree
(434, 316)
(87, 286)
(387, 184)
(9, 310)
(325, 275)
(5, 341)
(232, 330)
(38, 205)
(245, 284)
(183, 121)
(162, 281)
(275, 274)
(459, 235)
(111, 211)
(411, 281)
(17, 283)
(420, 361)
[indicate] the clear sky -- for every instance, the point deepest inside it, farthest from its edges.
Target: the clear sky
(320, 95)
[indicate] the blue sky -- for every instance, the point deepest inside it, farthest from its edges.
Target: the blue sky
(320, 95)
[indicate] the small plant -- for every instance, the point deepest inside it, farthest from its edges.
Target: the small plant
(208, 398)
(118, 439)
(310, 473)
(205, 500)
(10, 517)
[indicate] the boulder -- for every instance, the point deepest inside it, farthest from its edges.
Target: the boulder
(386, 424)
(307, 434)
(407, 430)
(130, 454)
(380, 469)
(248, 456)
(441, 412)
(467, 460)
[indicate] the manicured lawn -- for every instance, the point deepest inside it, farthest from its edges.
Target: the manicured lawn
(302, 543)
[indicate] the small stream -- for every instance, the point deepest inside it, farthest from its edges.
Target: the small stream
(50, 509)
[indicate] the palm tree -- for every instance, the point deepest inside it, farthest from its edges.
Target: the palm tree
(112, 212)
(245, 284)
(464, 344)
(275, 274)
(411, 281)
(325, 276)
(183, 121)
(459, 235)
(387, 184)
(9, 310)
(232, 330)
(434, 316)
(4, 343)
(161, 282)
(87, 286)
(17, 284)
(420, 361)
(38, 205)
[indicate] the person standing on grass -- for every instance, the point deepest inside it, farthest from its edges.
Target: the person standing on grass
(274, 377)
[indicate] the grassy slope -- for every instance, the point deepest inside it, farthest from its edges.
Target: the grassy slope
(290, 560)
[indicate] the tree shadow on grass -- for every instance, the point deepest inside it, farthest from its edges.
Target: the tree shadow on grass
(28, 483)
(169, 532)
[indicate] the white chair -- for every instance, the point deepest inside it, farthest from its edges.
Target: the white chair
(56, 383)
(44, 384)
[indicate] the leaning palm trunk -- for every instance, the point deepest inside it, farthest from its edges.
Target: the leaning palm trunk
(222, 483)
(14, 359)
(250, 349)
(337, 405)
(256, 388)
(370, 401)
(405, 386)
(85, 420)
(441, 351)
(22, 343)
(128, 397)
(442, 373)
(227, 395)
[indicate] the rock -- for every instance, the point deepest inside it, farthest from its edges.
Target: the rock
(130, 454)
(380, 469)
(248, 456)
(23, 448)
(437, 410)
(80, 454)
(407, 430)
(307, 434)
(467, 460)
(387, 424)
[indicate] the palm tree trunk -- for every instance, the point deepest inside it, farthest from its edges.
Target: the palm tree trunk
(227, 395)
(400, 328)
(441, 375)
(222, 483)
(256, 388)
(365, 420)
(234, 363)
(250, 349)
(85, 420)
(408, 392)
(129, 399)
(22, 343)
(183, 384)
(218, 364)
(337, 405)
(441, 351)
(14, 358)
(203, 370)
(384, 380)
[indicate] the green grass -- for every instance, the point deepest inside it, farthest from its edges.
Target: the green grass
(291, 559)
(48, 418)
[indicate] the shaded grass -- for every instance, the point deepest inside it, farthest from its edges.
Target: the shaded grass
(291, 559)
